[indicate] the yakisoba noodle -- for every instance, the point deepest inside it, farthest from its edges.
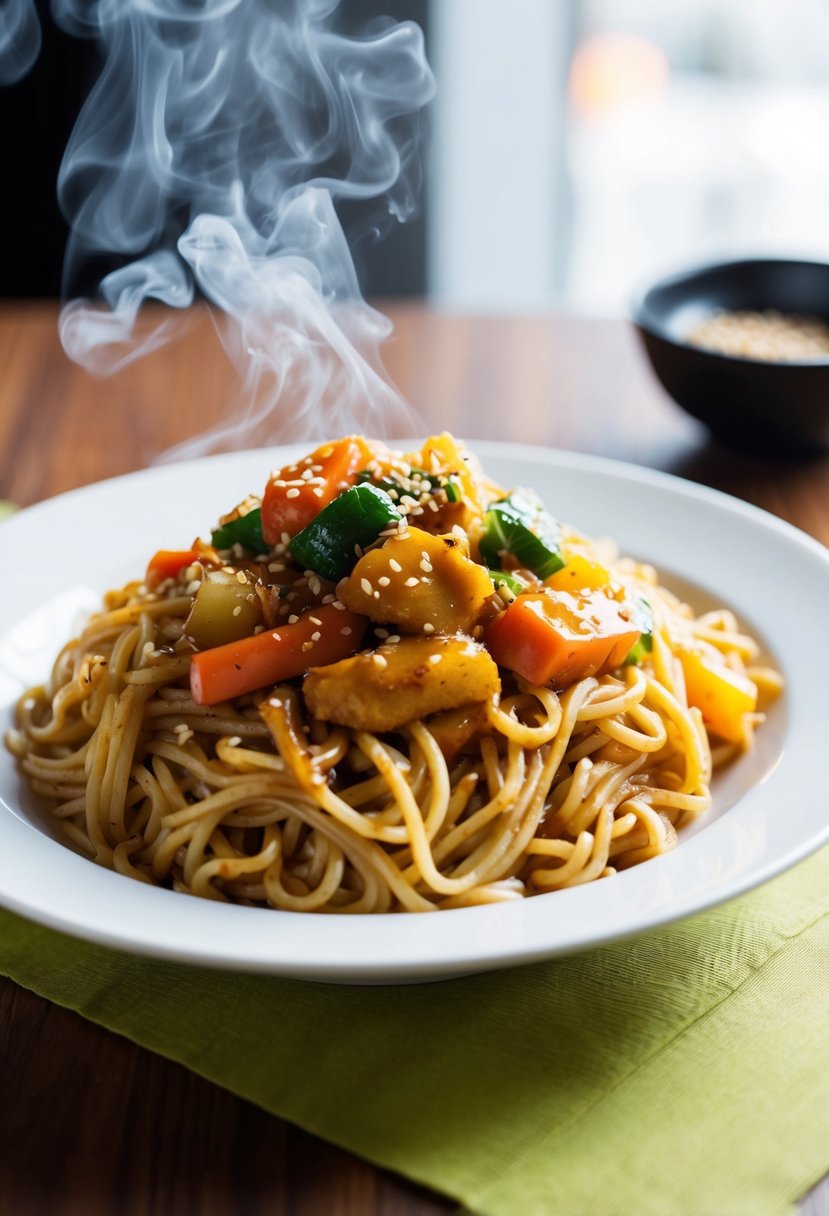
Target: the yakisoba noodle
(309, 793)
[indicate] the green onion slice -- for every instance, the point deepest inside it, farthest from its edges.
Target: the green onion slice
(512, 582)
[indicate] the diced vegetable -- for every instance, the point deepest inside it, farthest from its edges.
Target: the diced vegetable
(417, 582)
(642, 617)
(244, 530)
(724, 696)
(452, 490)
(353, 520)
(167, 563)
(324, 635)
(442, 453)
(380, 690)
(224, 610)
(555, 637)
(520, 525)
(579, 574)
(292, 499)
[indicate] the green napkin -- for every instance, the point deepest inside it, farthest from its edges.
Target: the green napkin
(686, 1071)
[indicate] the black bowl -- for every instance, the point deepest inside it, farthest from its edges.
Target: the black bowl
(751, 405)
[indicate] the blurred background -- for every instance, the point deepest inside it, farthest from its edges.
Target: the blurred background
(578, 148)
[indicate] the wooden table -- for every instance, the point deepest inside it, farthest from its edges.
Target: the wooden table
(81, 1110)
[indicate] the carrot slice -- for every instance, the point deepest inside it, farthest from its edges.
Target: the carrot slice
(555, 637)
(166, 564)
(299, 491)
(321, 636)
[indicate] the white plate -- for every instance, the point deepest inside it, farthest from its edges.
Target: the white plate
(770, 808)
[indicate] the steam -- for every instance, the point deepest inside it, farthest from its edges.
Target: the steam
(20, 39)
(210, 156)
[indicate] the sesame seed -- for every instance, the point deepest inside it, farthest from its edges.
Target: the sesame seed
(314, 620)
(383, 580)
(433, 506)
(285, 538)
(394, 639)
(376, 594)
(293, 618)
(428, 627)
(307, 475)
(317, 491)
(339, 605)
(328, 599)
(316, 468)
(411, 582)
(307, 645)
(275, 702)
(316, 635)
(346, 631)
(235, 740)
(382, 633)
(276, 567)
(292, 493)
(395, 566)
(237, 611)
(366, 586)
(426, 567)
(277, 637)
(434, 659)
(380, 660)
(314, 585)
(241, 577)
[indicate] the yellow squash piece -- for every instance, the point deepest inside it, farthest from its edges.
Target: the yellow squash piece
(382, 689)
(723, 696)
(443, 454)
(419, 582)
(579, 574)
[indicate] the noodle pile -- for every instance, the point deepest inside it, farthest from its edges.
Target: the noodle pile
(255, 802)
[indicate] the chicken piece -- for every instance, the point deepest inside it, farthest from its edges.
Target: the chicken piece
(419, 582)
(380, 690)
